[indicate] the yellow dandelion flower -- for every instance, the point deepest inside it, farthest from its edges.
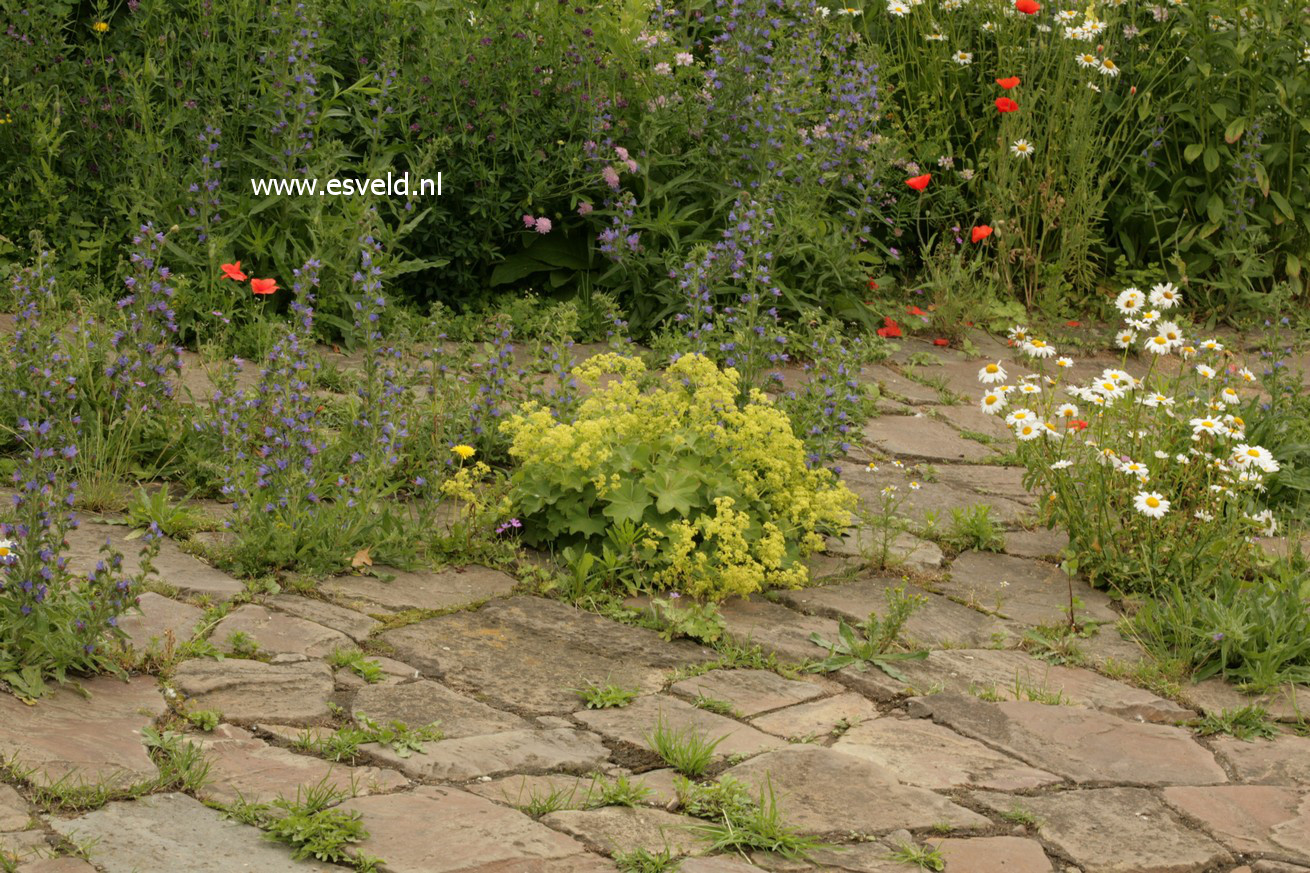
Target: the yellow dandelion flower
(101, 27)
(464, 452)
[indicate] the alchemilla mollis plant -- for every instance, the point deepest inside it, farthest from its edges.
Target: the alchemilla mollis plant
(719, 486)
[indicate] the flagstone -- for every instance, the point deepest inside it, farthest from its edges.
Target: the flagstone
(173, 567)
(1040, 544)
(1084, 745)
(463, 832)
(922, 438)
(452, 588)
(277, 633)
(932, 499)
(994, 855)
(905, 551)
(246, 691)
(828, 791)
(355, 625)
(898, 386)
(775, 628)
(1031, 592)
(1213, 696)
(938, 622)
(1115, 830)
(750, 692)
(522, 751)
(65, 864)
(1284, 760)
(14, 813)
(634, 723)
(509, 653)
(619, 829)
(1016, 675)
(158, 617)
(1251, 819)
(243, 767)
(818, 719)
(156, 832)
(423, 702)
(918, 752)
(93, 739)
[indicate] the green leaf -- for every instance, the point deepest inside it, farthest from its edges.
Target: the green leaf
(1211, 160)
(1283, 206)
(1193, 151)
(628, 502)
(1234, 131)
(675, 491)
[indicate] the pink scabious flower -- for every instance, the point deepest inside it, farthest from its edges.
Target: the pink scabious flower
(611, 177)
(543, 225)
(529, 221)
(631, 165)
(621, 152)
(584, 208)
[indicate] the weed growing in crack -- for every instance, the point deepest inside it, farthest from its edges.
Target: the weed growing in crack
(686, 749)
(608, 696)
(736, 821)
(1246, 723)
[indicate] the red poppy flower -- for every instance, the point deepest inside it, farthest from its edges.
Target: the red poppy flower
(1028, 7)
(941, 342)
(263, 286)
(1005, 104)
(1073, 324)
(980, 232)
(914, 310)
(1077, 424)
(873, 285)
(890, 329)
(918, 183)
(1009, 83)
(233, 271)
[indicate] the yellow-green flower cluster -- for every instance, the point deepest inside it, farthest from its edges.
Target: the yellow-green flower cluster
(722, 487)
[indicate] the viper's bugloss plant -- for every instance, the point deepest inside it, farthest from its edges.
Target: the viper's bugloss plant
(720, 483)
(52, 622)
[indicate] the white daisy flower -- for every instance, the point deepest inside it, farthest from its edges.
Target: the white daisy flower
(1259, 456)
(1064, 363)
(898, 8)
(1062, 465)
(1027, 430)
(1165, 295)
(1020, 415)
(1018, 333)
(1039, 348)
(1067, 410)
(1205, 372)
(1108, 68)
(1021, 148)
(1159, 345)
(1086, 59)
(1229, 395)
(1029, 388)
(1151, 504)
(1125, 338)
(1212, 345)
(1129, 301)
(1205, 426)
(964, 59)
(992, 402)
(990, 374)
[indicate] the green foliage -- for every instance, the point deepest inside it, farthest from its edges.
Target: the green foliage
(697, 621)
(204, 719)
(607, 696)
(871, 641)
(923, 857)
(343, 744)
(738, 822)
(1246, 723)
(621, 791)
(974, 528)
(355, 661)
(686, 749)
(643, 860)
(721, 489)
(157, 508)
(313, 828)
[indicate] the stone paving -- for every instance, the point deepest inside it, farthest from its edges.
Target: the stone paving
(992, 757)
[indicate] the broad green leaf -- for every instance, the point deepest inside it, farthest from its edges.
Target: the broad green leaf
(675, 491)
(628, 502)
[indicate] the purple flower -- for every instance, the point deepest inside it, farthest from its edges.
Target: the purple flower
(544, 225)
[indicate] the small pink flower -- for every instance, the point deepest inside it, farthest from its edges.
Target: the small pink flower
(611, 177)
(543, 225)
(631, 165)
(621, 152)
(663, 69)
(683, 59)
(584, 208)
(529, 221)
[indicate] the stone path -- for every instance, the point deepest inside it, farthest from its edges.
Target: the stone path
(988, 756)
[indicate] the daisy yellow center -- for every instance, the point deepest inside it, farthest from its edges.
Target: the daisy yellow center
(989, 399)
(1153, 502)
(992, 368)
(1252, 452)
